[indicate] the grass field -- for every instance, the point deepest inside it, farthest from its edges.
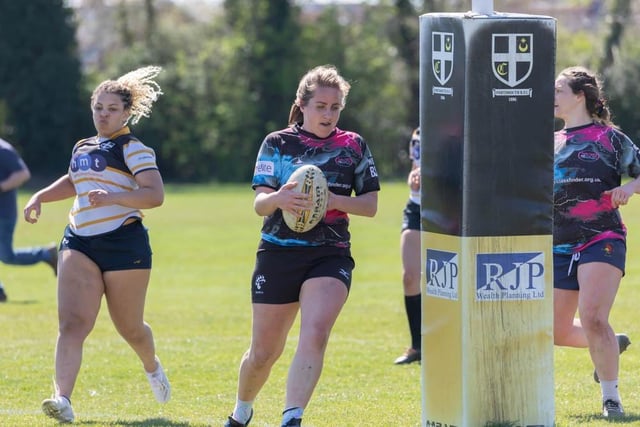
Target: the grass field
(204, 240)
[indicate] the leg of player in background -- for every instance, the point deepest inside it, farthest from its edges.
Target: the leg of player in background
(411, 256)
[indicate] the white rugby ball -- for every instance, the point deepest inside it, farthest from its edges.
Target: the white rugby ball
(310, 180)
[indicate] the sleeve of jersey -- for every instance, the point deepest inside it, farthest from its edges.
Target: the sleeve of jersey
(267, 168)
(366, 175)
(11, 160)
(630, 159)
(139, 157)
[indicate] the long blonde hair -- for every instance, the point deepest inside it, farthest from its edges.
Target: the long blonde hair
(321, 76)
(137, 89)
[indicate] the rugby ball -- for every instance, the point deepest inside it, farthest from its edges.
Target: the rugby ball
(310, 180)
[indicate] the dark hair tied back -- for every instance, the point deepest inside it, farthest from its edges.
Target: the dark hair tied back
(583, 80)
(600, 107)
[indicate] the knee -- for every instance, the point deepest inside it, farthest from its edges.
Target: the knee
(559, 337)
(562, 331)
(261, 358)
(411, 280)
(593, 322)
(134, 333)
(316, 338)
(75, 326)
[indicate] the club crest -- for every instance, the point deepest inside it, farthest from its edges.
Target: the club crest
(512, 57)
(442, 56)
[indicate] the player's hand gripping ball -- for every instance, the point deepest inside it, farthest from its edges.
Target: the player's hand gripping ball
(310, 180)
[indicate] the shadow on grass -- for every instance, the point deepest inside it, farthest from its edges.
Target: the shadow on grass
(22, 302)
(579, 420)
(501, 424)
(629, 419)
(149, 422)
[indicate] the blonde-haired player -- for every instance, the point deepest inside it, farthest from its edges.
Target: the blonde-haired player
(105, 249)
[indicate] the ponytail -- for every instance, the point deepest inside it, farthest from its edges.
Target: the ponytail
(295, 115)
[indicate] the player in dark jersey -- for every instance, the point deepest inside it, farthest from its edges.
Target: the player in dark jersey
(589, 237)
(13, 173)
(410, 252)
(105, 249)
(308, 272)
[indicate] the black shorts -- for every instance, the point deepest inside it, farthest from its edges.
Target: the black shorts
(411, 216)
(565, 267)
(125, 248)
(280, 271)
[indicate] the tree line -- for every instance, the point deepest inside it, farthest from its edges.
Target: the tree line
(231, 71)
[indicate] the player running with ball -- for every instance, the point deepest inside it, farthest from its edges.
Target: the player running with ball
(308, 272)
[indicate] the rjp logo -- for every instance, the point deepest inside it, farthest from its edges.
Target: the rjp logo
(512, 57)
(442, 56)
(510, 276)
(441, 271)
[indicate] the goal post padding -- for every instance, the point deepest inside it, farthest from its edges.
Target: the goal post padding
(486, 118)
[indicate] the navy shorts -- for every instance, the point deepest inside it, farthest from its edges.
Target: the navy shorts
(565, 267)
(411, 216)
(125, 248)
(280, 271)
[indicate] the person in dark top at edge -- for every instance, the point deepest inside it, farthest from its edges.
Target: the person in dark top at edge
(13, 173)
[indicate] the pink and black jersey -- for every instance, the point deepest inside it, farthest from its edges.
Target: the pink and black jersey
(107, 164)
(347, 163)
(589, 160)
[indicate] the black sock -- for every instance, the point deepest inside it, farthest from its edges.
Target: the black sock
(413, 306)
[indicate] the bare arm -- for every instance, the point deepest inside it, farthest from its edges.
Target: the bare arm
(365, 204)
(60, 189)
(149, 194)
(634, 185)
(267, 200)
(621, 195)
(413, 180)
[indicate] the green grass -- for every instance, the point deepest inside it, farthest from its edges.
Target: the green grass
(204, 239)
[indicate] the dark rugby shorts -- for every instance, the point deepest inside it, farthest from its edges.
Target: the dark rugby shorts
(280, 271)
(125, 248)
(411, 216)
(565, 267)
